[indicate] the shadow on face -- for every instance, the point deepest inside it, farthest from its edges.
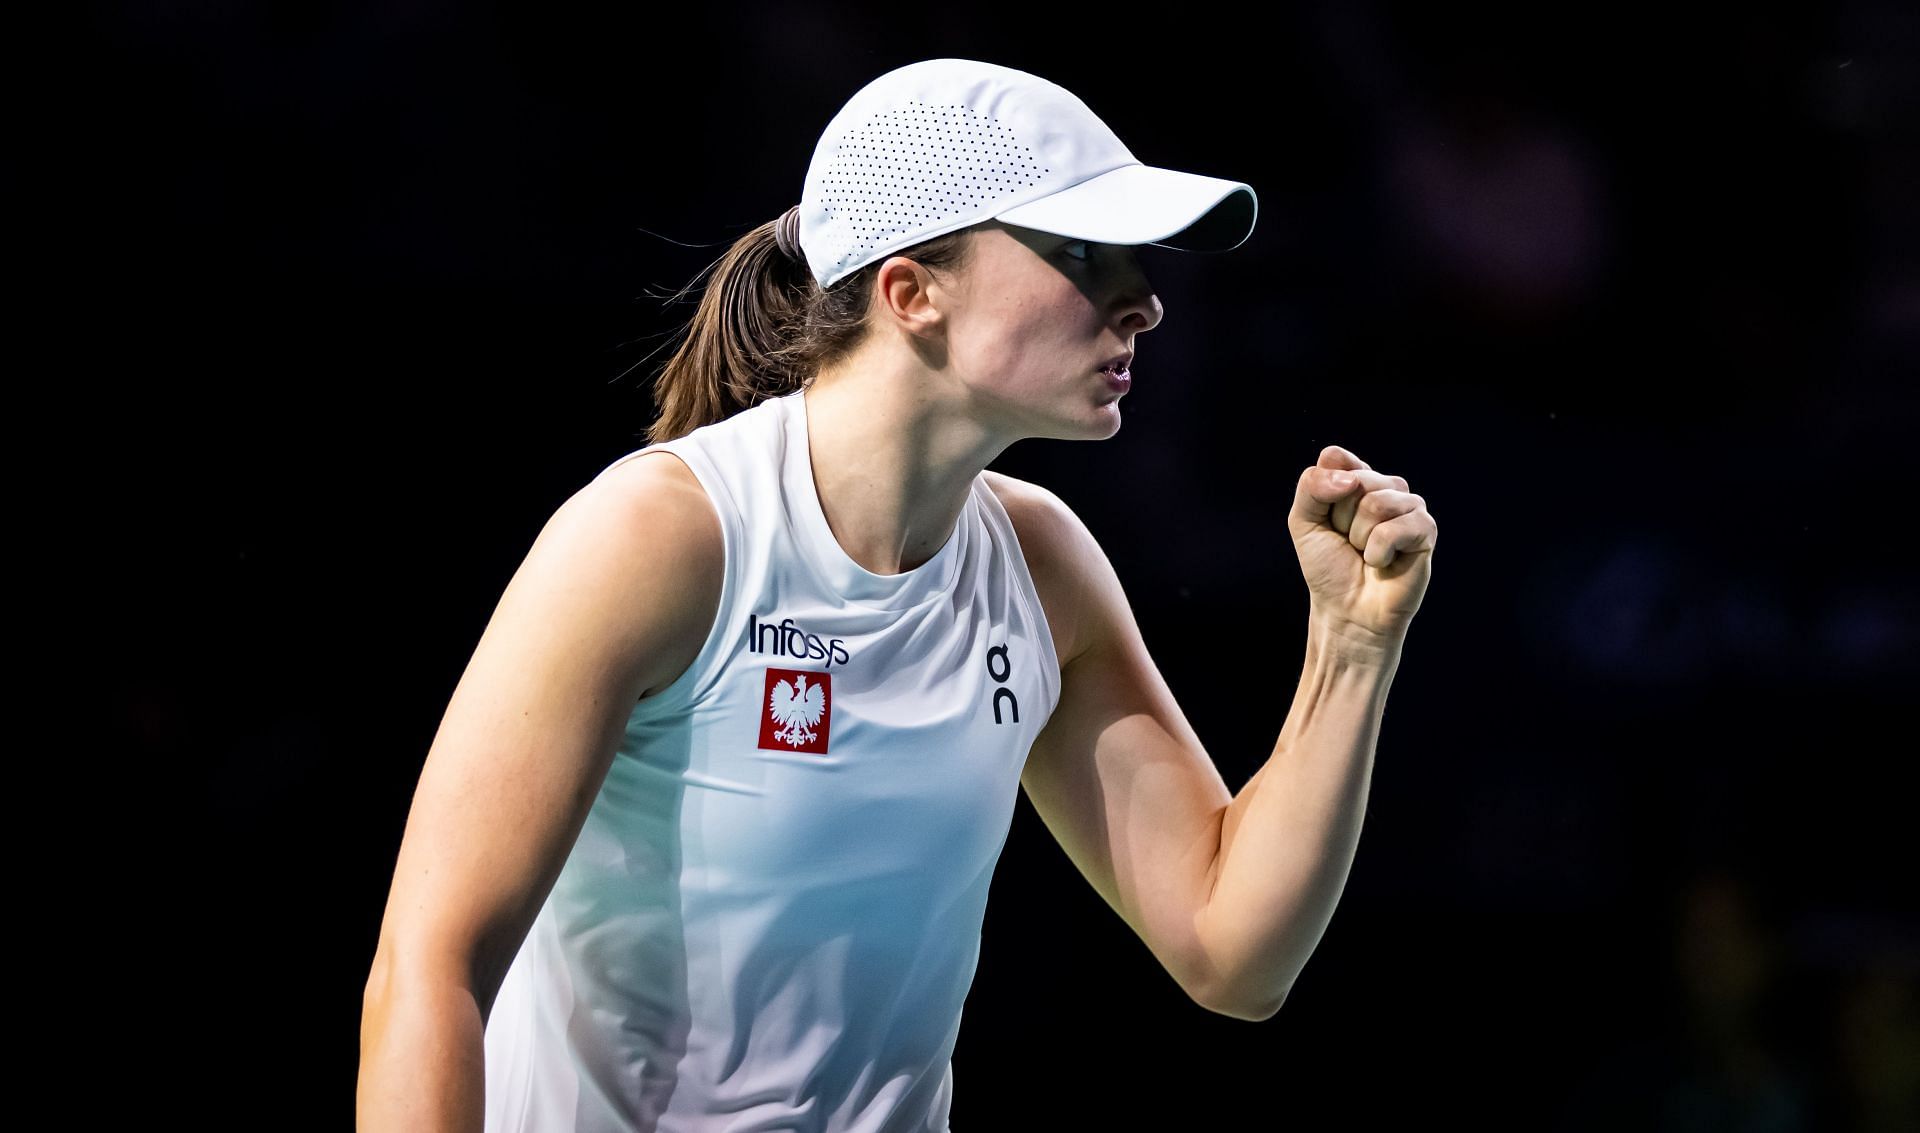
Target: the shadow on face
(999, 246)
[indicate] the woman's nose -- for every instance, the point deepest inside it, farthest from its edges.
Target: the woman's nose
(1145, 314)
(1138, 305)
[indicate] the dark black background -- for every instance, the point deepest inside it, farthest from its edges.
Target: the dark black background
(1629, 295)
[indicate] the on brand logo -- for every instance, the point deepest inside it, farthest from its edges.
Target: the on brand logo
(1005, 671)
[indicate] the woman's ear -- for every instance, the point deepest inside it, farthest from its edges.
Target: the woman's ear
(909, 295)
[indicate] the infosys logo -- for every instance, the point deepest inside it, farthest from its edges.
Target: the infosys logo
(788, 640)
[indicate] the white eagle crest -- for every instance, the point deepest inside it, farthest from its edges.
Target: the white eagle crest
(798, 709)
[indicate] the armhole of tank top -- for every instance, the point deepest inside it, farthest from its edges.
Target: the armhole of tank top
(687, 688)
(1026, 592)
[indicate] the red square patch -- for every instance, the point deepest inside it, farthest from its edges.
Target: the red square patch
(796, 709)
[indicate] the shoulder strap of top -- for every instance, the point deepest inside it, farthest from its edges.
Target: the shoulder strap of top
(994, 515)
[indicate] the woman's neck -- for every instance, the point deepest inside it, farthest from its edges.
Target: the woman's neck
(892, 467)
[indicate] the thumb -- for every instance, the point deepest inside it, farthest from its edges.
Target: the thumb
(1319, 489)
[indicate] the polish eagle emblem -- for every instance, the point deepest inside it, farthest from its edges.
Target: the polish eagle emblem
(798, 709)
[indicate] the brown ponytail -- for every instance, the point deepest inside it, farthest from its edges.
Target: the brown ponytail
(764, 328)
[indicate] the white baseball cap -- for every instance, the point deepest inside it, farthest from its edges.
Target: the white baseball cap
(942, 144)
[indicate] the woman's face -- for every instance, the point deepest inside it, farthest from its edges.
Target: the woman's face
(1030, 319)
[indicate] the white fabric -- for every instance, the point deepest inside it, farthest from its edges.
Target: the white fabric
(766, 938)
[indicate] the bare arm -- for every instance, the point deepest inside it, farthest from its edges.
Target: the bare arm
(1289, 838)
(1122, 781)
(1230, 892)
(613, 601)
(1118, 775)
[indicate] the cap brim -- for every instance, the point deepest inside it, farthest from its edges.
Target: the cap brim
(1144, 204)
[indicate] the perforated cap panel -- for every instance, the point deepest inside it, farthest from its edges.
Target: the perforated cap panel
(912, 170)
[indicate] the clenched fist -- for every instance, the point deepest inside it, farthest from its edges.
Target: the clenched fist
(1365, 544)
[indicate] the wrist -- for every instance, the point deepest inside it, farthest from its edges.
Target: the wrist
(1351, 641)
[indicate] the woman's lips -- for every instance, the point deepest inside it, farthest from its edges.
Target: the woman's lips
(1121, 380)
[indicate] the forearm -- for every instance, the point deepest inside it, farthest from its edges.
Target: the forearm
(1288, 838)
(421, 1055)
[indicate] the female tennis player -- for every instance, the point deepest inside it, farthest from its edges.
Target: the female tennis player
(705, 836)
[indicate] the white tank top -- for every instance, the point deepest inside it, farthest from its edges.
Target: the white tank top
(771, 918)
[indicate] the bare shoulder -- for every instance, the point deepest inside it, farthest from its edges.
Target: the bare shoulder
(650, 473)
(660, 482)
(1059, 550)
(656, 496)
(653, 513)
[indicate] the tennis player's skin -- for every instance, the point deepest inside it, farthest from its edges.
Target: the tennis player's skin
(1229, 891)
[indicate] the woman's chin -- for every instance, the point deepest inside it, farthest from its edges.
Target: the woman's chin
(1108, 415)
